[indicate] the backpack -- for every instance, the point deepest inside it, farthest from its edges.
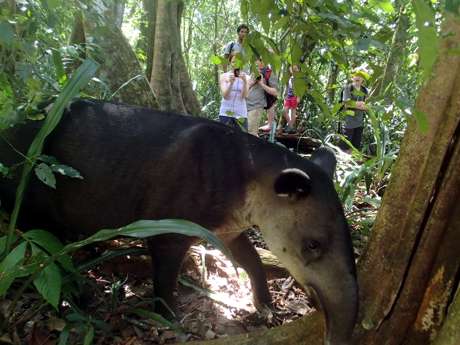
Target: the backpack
(231, 48)
(269, 98)
(350, 86)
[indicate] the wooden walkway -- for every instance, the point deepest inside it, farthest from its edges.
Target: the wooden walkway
(295, 141)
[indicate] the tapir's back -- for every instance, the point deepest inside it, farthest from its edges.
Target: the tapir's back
(136, 163)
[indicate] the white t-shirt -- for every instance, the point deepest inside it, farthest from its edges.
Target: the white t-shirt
(235, 105)
(236, 48)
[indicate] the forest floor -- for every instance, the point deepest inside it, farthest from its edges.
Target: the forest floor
(213, 301)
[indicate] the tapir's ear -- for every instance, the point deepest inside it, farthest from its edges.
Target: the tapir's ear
(325, 159)
(292, 183)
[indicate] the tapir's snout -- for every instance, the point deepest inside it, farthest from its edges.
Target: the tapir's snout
(333, 280)
(339, 304)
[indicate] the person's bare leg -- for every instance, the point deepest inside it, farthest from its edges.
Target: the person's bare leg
(287, 115)
(270, 119)
(293, 118)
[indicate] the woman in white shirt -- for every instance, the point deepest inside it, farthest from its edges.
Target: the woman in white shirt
(234, 88)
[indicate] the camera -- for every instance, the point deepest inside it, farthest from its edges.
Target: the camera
(259, 77)
(236, 72)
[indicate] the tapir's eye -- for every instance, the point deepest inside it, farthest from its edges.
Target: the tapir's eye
(313, 245)
(311, 250)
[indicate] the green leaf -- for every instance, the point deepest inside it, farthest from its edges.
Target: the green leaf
(363, 44)
(58, 65)
(51, 244)
(149, 228)
(300, 86)
(66, 171)
(45, 174)
(428, 40)
(89, 336)
(8, 265)
(3, 170)
(48, 159)
(216, 60)
(296, 52)
(49, 283)
(53, 3)
(422, 121)
(3, 243)
(383, 4)
(319, 99)
(6, 34)
(336, 108)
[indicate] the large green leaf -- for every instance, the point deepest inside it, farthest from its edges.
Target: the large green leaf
(48, 283)
(427, 38)
(149, 228)
(8, 266)
(51, 244)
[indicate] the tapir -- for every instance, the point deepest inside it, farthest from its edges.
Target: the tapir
(140, 163)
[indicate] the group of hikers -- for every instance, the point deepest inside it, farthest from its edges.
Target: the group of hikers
(246, 96)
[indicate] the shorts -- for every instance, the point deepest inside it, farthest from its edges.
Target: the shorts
(291, 103)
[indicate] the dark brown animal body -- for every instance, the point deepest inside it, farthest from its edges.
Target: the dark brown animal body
(144, 164)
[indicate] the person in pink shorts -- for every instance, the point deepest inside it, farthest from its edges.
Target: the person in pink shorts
(291, 102)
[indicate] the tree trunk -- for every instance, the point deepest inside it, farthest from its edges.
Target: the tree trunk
(119, 68)
(188, 39)
(8, 56)
(170, 78)
(394, 59)
(77, 37)
(331, 82)
(150, 9)
(117, 12)
(214, 46)
(410, 270)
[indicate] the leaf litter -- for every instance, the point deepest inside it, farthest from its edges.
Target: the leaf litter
(213, 302)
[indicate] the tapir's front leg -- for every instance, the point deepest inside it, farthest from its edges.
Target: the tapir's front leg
(247, 257)
(167, 252)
